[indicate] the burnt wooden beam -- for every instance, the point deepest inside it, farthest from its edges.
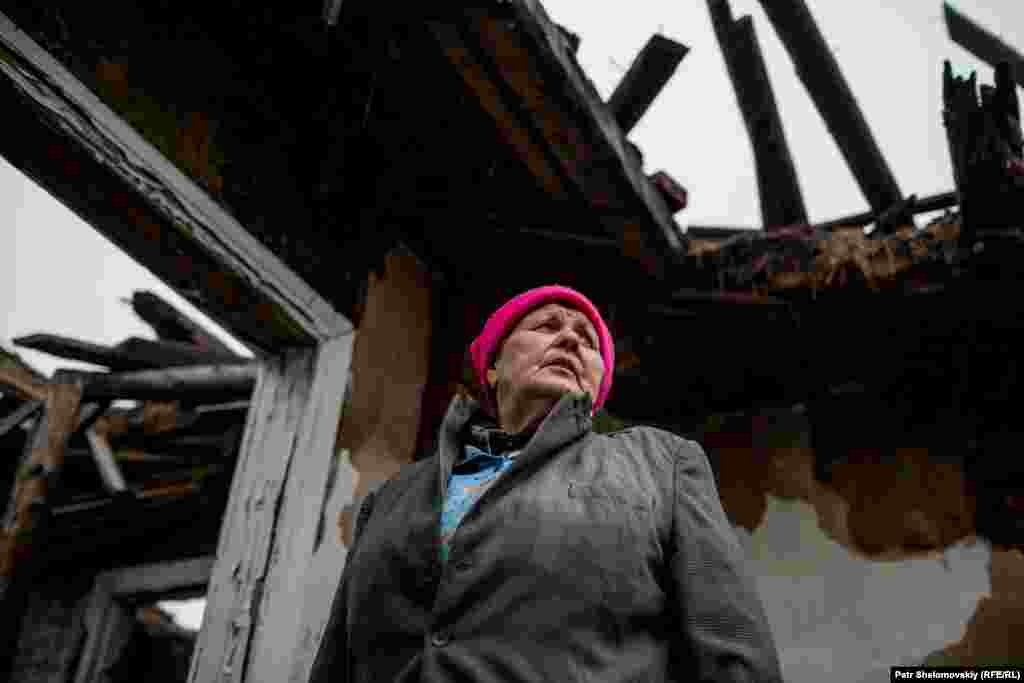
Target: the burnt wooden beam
(983, 44)
(131, 354)
(24, 525)
(161, 577)
(170, 324)
(203, 382)
(21, 413)
(22, 382)
(778, 187)
(647, 76)
(518, 64)
(820, 73)
(147, 206)
(935, 202)
(103, 456)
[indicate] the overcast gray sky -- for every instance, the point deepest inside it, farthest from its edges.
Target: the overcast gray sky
(58, 275)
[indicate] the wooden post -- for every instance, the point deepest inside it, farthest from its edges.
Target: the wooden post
(253, 627)
(982, 44)
(778, 187)
(171, 324)
(820, 74)
(200, 382)
(647, 76)
(24, 523)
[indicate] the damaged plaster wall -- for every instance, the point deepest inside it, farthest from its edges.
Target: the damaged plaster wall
(390, 363)
(840, 617)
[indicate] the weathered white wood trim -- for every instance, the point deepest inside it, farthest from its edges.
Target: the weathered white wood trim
(254, 608)
(114, 143)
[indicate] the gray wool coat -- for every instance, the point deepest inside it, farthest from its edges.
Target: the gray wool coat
(596, 558)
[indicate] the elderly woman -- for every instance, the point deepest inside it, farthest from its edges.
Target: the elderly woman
(530, 548)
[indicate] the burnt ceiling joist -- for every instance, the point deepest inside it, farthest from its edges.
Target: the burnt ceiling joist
(820, 73)
(645, 79)
(983, 44)
(84, 153)
(778, 187)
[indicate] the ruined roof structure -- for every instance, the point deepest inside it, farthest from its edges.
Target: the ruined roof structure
(350, 192)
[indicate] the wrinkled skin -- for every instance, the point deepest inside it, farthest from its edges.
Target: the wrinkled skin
(552, 351)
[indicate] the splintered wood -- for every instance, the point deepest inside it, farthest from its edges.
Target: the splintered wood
(255, 625)
(38, 472)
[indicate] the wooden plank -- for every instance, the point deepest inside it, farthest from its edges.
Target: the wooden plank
(820, 73)
(645, 79)
(250, 627)
(778, 187)
(131, 354)
(201, 382)
(528, 60)
(935, 202)
(70, 107)
(20, 414)
(295, 609)
(23, 383)
(107, 625)
(110, 473)
(161, 577)
(983, 44)
(23, 526)
(172, 325)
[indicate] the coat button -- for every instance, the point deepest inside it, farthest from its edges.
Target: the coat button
(440, 639)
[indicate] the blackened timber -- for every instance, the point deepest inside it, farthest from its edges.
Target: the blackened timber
(819, 71)
(131, 354)
(646, 77)
(983, 44)
(103, 456)
(20, 414)
(24, 525)
(935, 202)
(203, 382)
(534, 63)
(777, 183)
(170, 324)
(63, 118)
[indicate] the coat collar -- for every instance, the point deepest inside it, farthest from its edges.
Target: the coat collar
(568, 420)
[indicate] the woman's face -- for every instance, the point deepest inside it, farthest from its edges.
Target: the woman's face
(552, 351)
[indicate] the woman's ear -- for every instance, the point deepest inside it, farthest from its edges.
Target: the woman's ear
(492, 377)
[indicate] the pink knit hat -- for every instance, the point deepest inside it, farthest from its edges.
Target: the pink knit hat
(485, 347)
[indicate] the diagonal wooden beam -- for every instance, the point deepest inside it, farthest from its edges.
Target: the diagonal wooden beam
(173, 325)
(778, 187)
(250, 290)
(131, 354)
(103, 456)
(20, 414)
(199, 382)
(24, 525)
(522, 60)
(983, 44)
(820, 73)
(645, 79)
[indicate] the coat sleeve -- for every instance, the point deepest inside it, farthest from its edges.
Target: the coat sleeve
(725, 632)
(331, 662)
